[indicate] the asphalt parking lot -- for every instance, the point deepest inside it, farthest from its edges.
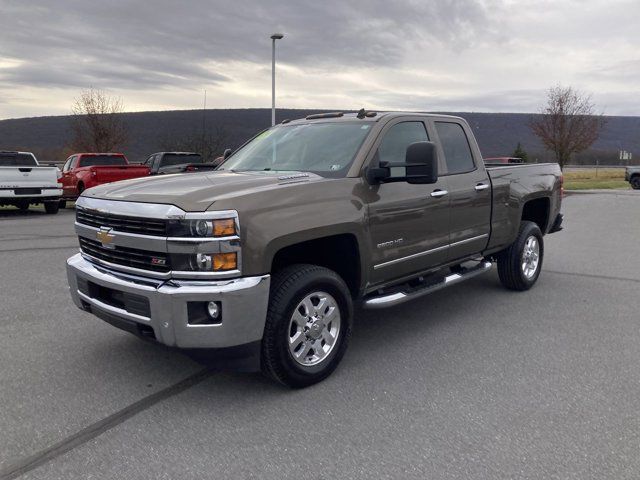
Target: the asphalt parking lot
(471, 382)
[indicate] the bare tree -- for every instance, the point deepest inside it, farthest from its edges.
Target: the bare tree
(97, 123)
(209, 145)
(567, 124)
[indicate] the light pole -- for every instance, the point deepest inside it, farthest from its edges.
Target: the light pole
(274, 37)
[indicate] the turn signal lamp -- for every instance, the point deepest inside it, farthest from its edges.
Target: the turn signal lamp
(225, 261)
(224, 228)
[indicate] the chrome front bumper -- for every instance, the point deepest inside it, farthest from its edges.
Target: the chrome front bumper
(243, 300)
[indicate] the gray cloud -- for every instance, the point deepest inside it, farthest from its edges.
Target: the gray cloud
(149, 44)
(482, 102)
(489, 55)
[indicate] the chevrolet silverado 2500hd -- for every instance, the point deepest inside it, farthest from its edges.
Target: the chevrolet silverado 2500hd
(264, 258)
(23, 182)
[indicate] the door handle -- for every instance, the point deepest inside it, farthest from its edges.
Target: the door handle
(481, 186)
(439, 193)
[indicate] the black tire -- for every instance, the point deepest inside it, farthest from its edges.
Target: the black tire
(288, 288)
(23, 205)
(52, 207)
(635, 182)
(80, 188)
(62, 204)
(510, 260)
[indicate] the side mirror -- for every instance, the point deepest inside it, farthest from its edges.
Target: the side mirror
(422, 163)
(226, 153)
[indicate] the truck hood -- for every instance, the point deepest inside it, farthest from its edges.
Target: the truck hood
(195, 192)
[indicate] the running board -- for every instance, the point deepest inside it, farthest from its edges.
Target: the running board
(391, 299)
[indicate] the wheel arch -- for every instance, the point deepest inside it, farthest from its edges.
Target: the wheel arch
(339, 252)
(538, 211)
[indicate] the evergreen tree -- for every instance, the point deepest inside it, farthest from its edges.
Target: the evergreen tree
(519, 152)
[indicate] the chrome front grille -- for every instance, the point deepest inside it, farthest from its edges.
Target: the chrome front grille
(128, 257)
(121, 223)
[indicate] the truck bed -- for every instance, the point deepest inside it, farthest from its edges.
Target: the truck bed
(28, 180)
(112, 173)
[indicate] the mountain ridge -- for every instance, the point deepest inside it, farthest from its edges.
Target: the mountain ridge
(151, 131)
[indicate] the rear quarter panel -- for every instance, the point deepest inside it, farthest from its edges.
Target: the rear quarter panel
(515, 185)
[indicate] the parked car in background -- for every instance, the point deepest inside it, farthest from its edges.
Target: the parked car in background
(86, 170)
(265, 258)
(632, 175)
(24, 182)
(162, 163)
(502, 160)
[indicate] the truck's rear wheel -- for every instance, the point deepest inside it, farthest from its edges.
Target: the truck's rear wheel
(63, 204)
(519, 265)
(308, 325)
(635, 182)
(52, 207)
(23, 205)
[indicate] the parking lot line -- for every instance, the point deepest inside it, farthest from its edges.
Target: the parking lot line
(92, 431)
(590, 275)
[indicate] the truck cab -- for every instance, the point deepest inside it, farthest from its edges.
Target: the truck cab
(163, 163)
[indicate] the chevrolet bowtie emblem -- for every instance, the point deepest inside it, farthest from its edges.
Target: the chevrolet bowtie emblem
(105, 236)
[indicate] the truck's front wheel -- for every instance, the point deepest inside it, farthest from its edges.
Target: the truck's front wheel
(308, 325)
(519, 265)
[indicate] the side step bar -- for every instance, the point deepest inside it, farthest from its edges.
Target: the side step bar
(391, 299)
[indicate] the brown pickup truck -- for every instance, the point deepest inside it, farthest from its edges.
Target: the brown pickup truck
(261, 262)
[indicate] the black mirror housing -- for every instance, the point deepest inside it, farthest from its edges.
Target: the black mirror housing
(422, 163)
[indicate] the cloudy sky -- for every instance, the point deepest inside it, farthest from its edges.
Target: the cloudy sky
(455, 55)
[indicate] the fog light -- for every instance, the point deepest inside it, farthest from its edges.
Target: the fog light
(213, 310)
(204, 313)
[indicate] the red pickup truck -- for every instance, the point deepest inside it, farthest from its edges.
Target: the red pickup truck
(86, 170)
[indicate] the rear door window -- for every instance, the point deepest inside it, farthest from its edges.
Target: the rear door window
(173, 159)
(17, 160)
(99, 160)
(455, 145)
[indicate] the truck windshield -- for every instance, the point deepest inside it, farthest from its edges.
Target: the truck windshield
(97, 160)
(170, 159)
(327, 149)
(17, 160)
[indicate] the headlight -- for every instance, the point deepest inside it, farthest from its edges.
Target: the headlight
(202, 227)
(204, 243)
(205, 262)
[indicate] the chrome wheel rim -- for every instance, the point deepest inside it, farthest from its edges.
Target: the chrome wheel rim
(530, 257)
(314, 329)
